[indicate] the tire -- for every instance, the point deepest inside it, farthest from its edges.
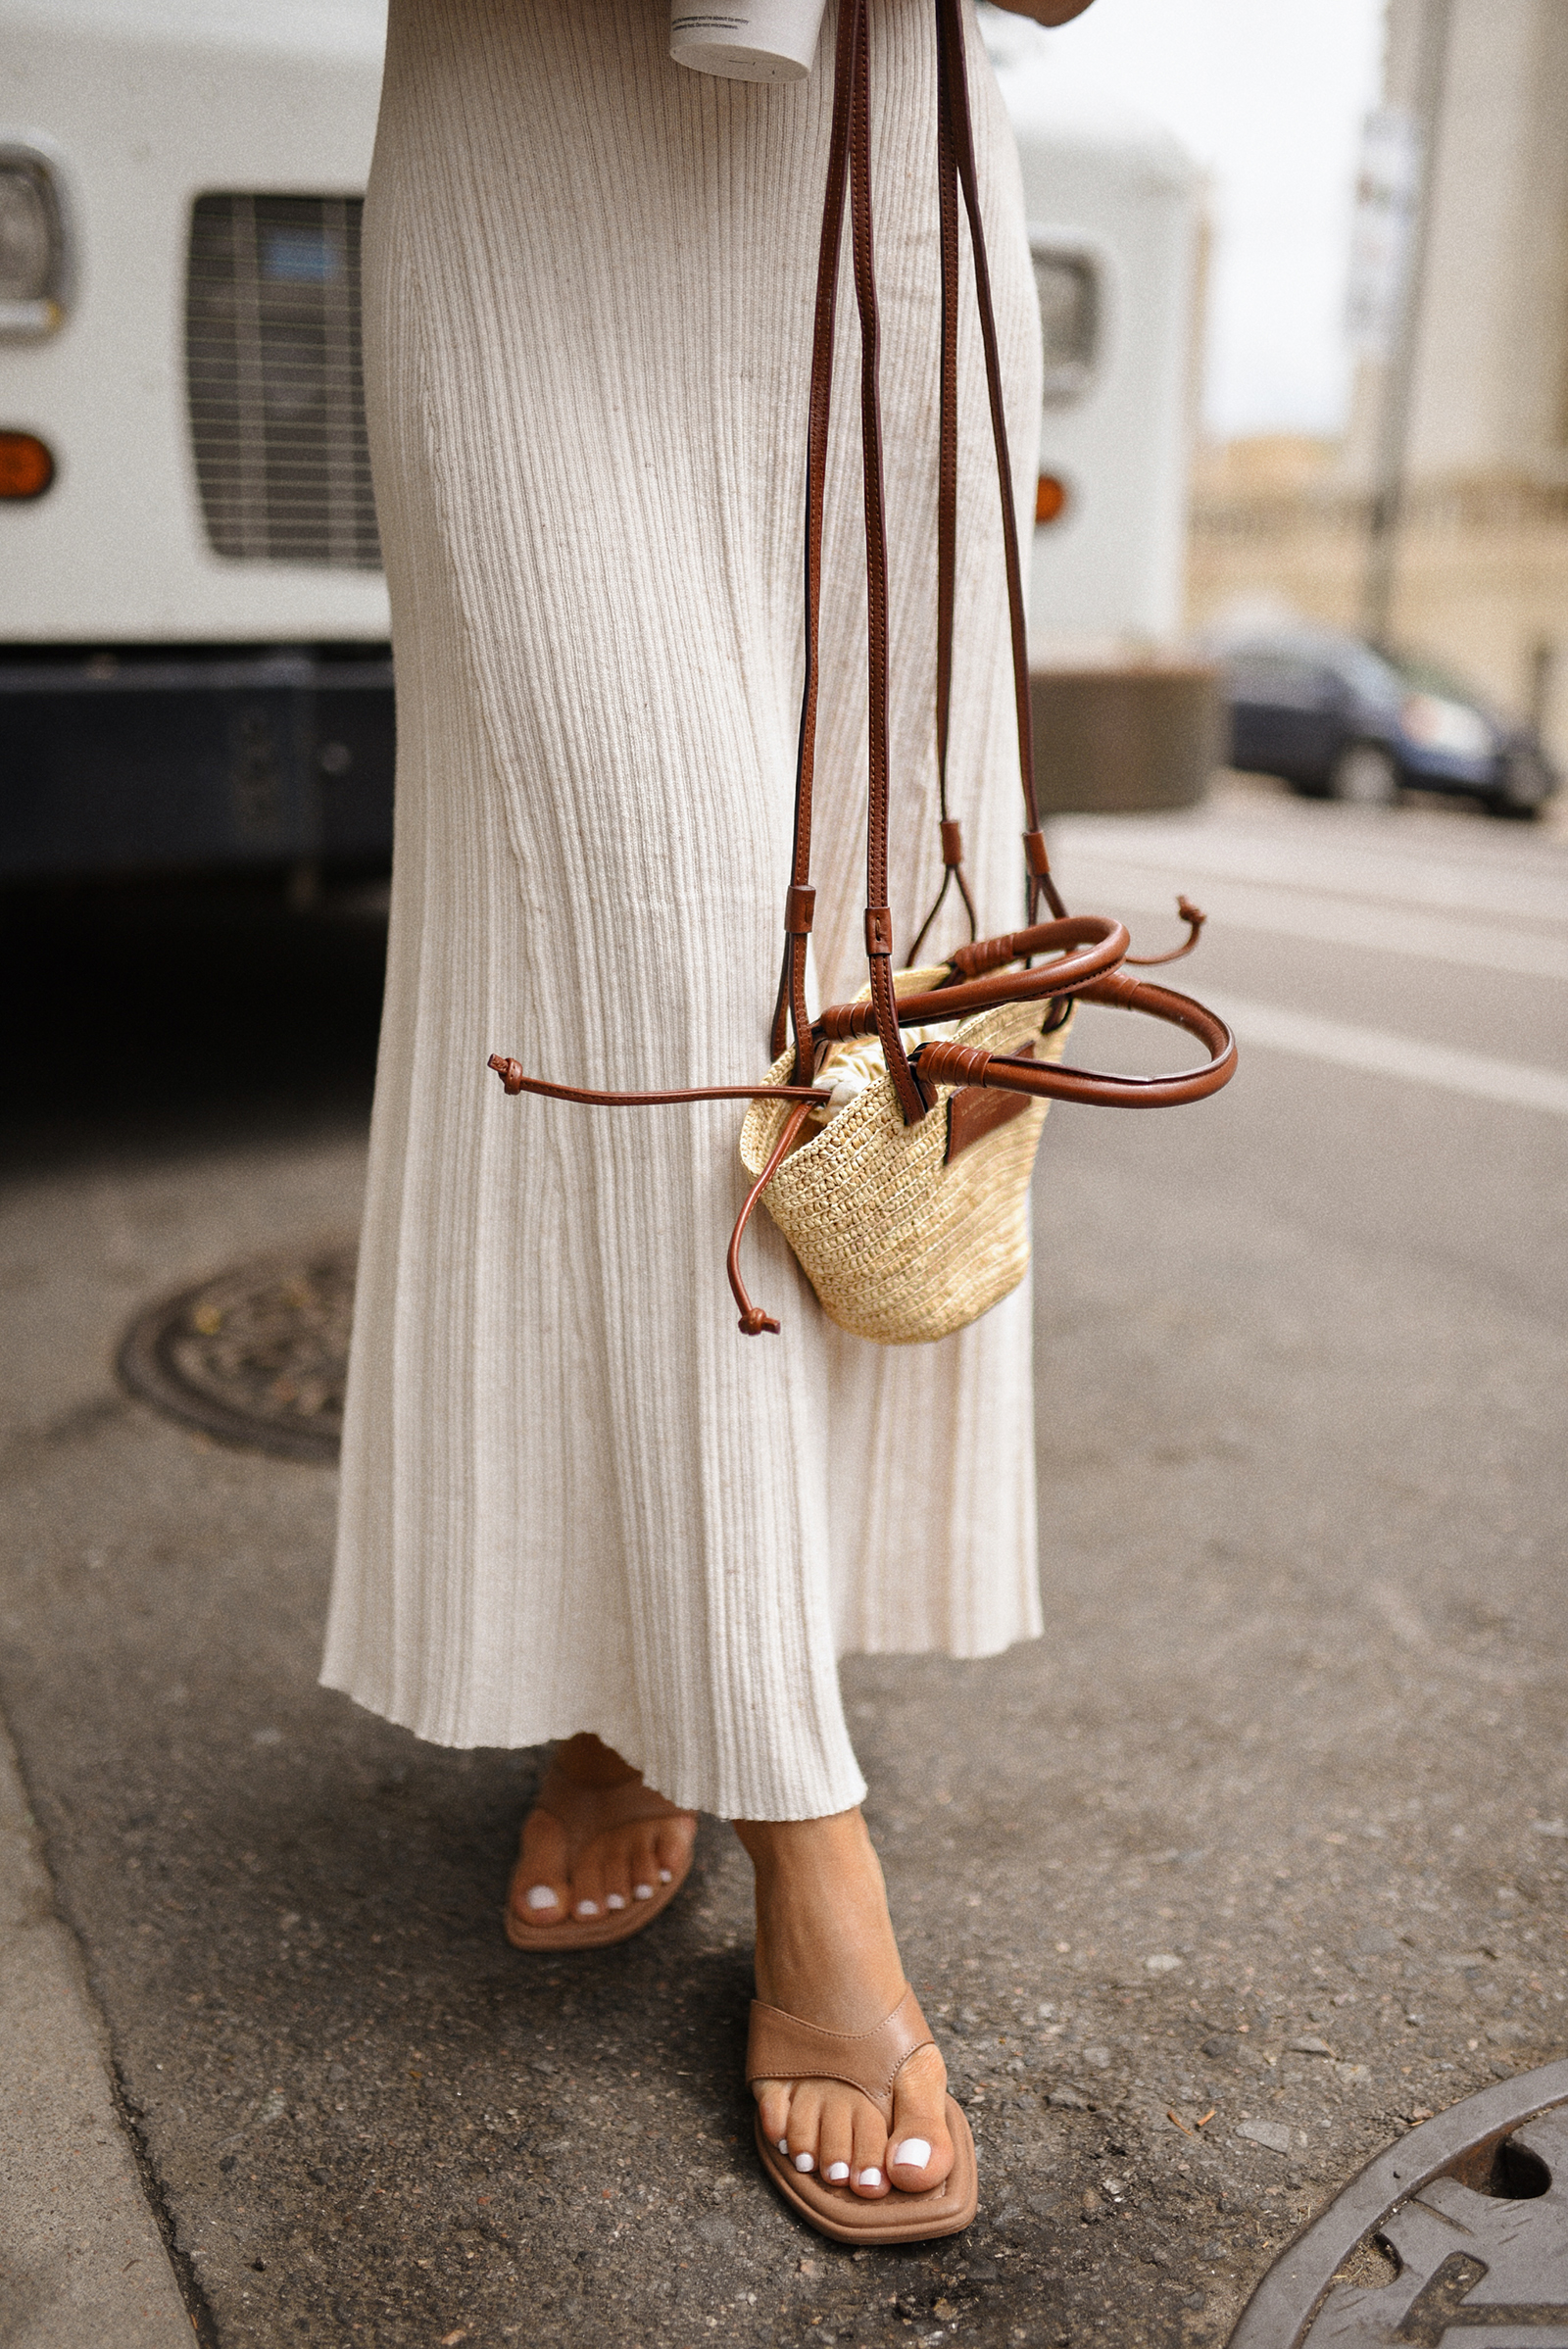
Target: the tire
(1366, 775)
(1522, 793)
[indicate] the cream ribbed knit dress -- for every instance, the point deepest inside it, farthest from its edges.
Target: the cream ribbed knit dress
(574, 1497)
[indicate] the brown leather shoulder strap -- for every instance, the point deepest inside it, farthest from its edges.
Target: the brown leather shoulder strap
(955, 88)
(790, 1008)
(849, 161)
(947, 511)
(878, 914)
(780, 2046)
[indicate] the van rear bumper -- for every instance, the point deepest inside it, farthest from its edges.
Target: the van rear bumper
(166, 760)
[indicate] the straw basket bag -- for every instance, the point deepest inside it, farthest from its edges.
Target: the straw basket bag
(908, 1204)
(902, 1238)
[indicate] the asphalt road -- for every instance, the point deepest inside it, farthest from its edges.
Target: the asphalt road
(1257, 1857)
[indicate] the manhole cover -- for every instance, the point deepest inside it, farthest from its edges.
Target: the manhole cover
(256, 1357)
(1473, 2208)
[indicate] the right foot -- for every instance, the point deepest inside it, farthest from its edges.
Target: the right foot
(826, 1952)
(618, 1867)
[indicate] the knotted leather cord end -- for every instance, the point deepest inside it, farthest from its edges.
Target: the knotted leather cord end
(754, 1321)
(511, 1075)
(1195, 921)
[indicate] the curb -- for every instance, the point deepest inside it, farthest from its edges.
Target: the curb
(82, 2260)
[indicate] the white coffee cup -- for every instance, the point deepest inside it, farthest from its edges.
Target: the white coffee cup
(747, 40)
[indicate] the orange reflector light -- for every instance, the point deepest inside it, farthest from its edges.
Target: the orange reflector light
(1051, 498)
(26, 467)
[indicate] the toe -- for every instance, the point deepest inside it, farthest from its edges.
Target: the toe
(672, 1848)
(835, 2136)
(868, 2153)
(920, 2148)
(541, 1888)
(773, 2108)
(588, 1882)
(643, 1859)
(805, 2129)
(617, 1870)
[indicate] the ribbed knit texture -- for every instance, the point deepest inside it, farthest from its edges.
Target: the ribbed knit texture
(574, 1497)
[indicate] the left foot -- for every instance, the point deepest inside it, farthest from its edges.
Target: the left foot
(619, 1868)
(826, 1952)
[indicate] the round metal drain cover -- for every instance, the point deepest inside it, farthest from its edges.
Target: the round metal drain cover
(1473, 2208)
(255, 1357)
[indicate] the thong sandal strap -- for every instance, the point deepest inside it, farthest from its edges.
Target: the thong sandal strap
(781, 2046)
(586, 1811)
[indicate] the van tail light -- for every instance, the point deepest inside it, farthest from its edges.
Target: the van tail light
(26, 466)
(1051, 500)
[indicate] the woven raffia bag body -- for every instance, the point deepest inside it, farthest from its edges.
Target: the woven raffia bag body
(902, 1242)
(906, 1202)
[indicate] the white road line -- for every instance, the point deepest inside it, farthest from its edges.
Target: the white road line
(1325, 921)
(1194, 852)
(1379, 1052)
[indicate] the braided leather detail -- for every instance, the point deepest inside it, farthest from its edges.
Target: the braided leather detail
(953, 1063)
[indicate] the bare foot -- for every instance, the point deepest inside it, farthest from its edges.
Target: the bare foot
(826, 1952)
(612, 1870)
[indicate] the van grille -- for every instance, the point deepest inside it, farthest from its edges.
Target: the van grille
(274, 381)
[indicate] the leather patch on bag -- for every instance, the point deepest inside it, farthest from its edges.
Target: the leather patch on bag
(975, 1109)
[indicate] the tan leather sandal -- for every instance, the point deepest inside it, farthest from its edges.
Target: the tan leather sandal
(585, 1812)
(781, 2046)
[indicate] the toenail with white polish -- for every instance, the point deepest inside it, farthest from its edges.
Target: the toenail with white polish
(665, 1877)
(783, 2144)
(615, 1900)
(587, 1908)
(912, 2154)
(804, 2161)
(642, 1891)
(836, 2173)
(869, 2177)
(540, 1897)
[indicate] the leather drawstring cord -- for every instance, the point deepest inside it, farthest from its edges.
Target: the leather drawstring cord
(514, 1081)
(1195, 921)
(754, 1321)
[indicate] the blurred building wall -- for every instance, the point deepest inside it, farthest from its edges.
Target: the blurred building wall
(1491, 360)
(1483, 565)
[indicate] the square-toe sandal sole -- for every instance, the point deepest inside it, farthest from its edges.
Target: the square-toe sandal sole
(893, 2219)
(591, 1933)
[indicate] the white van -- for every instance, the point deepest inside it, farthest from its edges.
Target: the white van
(1123, 719)
(194, 667)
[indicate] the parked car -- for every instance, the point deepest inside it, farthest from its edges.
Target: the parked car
(1330, 716)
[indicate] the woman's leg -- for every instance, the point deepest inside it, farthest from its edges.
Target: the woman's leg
(825, 1952)
(614, 1868)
